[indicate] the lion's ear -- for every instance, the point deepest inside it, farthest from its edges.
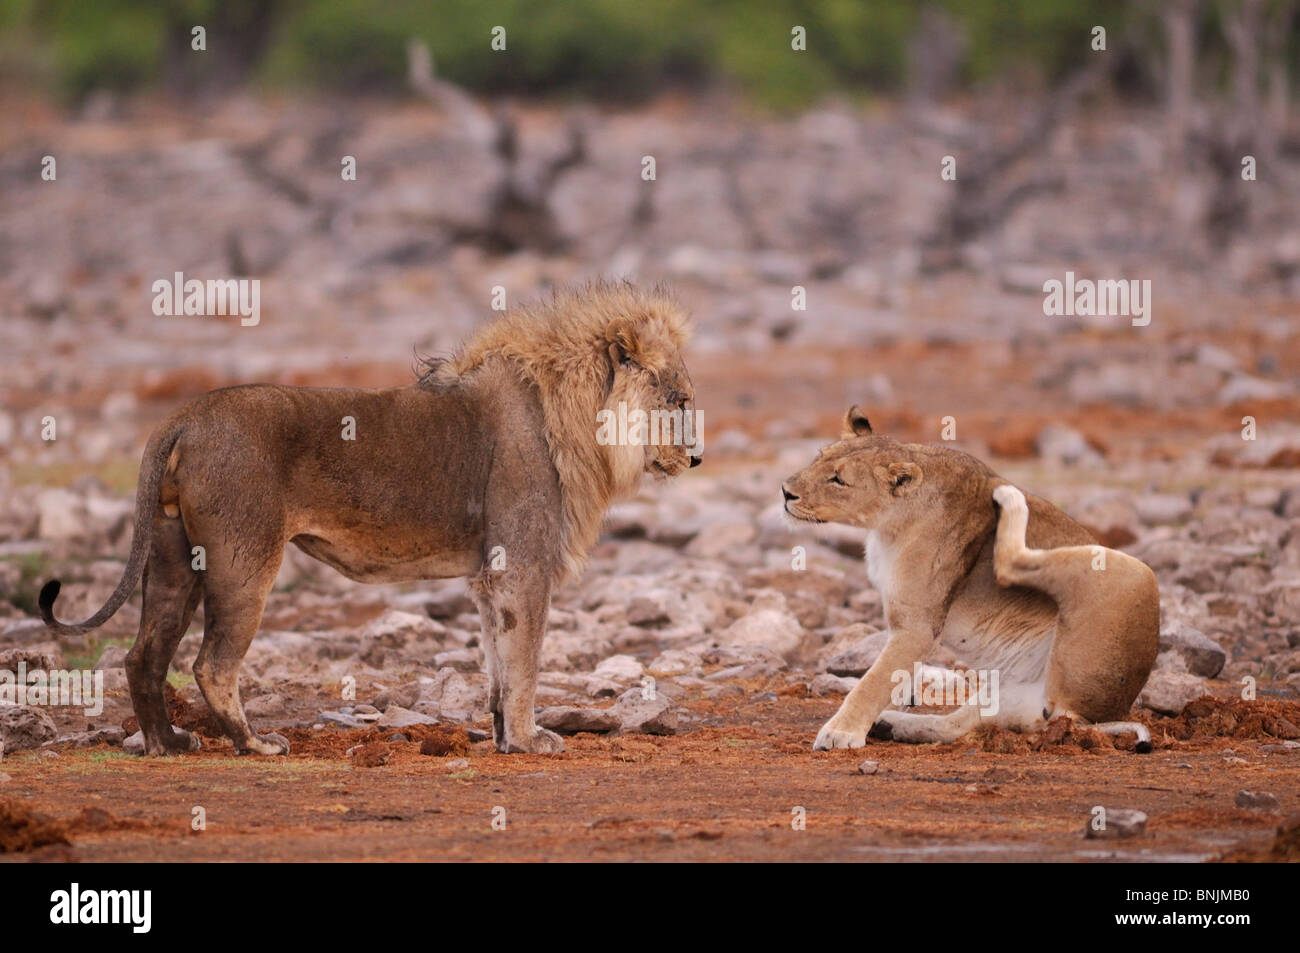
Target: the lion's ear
(903, 478)
(856, 424)
(622, 343)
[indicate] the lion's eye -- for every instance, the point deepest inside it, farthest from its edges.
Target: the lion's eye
(835, 478)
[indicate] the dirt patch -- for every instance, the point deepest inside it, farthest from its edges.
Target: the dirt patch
(444, 742)
(1284, 849)
(195, 717)
(335, 744)
(372, 754)
(722, 789)
(1210, 717)
(22, 829)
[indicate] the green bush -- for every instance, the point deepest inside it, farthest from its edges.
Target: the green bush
(605, 49)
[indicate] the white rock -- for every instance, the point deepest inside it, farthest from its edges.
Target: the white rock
(1119, 822)
(620, 668)
(648, 716)
(398, 717)
(827, 684)
(1170, 692)
(769, 625)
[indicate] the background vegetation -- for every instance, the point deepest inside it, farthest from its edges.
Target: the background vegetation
(603, 49)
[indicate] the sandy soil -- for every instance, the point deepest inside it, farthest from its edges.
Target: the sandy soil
(729, 789)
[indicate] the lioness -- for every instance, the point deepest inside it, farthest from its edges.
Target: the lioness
(488, 466)
(1069, 626)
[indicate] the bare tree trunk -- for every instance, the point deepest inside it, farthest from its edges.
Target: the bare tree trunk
(1180, 18)
(1241, 24)
(1277, 104)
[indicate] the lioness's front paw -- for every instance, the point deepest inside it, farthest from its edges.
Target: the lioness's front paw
(832, 736)
(540, 741)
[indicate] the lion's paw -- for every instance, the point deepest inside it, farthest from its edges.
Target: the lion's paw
(832, 736)
(178, 741)
(540, 741)
(270, 743)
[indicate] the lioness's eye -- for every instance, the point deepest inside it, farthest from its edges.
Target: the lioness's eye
(835, 478)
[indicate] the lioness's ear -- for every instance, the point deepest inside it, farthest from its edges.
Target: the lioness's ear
(856, 424)
(903, 478)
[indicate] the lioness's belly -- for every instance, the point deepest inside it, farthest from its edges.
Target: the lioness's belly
(1008, 629)
(388, 561)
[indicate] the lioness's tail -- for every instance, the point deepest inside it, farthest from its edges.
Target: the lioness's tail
(152, 466)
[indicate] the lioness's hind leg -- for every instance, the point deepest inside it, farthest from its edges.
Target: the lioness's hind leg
(1143, 744)
(171, 593)
(1108, 615)
(236, 595)
(915, 728)
(1068, 573)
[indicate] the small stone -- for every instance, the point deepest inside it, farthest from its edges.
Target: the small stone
(868, 767)
(264, 705)
(1155, 508)
(769, 625)
(1256, 800)
(568, 720)
(827, 684)
(676, 662)
(456, 764)
(1170, 692)
(462, 660)
(638, 714)
(857, 658)
(23, 727)
(134, 744)
(339, 718)
(398, 717)
(1119, 822)
(620, 668)
(1286, 747)
(113, 656)
(1201, 654)
(1066, 445)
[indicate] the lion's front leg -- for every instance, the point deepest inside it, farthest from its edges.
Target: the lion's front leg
(514, 606)
(848, 727)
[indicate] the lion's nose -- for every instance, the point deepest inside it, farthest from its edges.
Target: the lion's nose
(787, 494)
(697, 460)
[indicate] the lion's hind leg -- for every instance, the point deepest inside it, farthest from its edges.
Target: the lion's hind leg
(172, 589)
(237, 587)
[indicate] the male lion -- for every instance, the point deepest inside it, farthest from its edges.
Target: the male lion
(1069, 627)
(489, 467)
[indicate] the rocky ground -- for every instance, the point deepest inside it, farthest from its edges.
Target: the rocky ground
(1137, 432)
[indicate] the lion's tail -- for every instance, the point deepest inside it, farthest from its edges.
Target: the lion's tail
(152, 466)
